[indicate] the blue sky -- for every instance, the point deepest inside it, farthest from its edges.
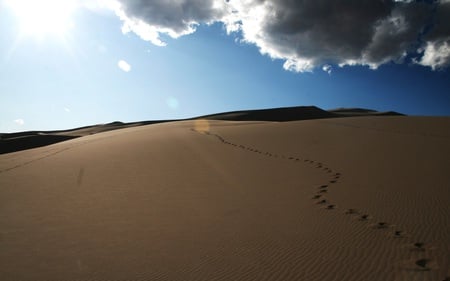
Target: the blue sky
(60, 79)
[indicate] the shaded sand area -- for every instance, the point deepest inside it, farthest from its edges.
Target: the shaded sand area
(361, 198)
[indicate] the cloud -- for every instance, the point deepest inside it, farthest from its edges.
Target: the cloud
(66, 109)
(149, 19)
(327, 68)
(436, 52)
(436, 55)
(310, 33)
(124, 66)
(19, 122)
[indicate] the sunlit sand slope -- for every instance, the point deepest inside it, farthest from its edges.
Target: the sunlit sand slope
(333, 199)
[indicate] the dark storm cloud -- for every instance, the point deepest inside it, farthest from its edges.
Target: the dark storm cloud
(174, 17)
(322, 28)
(309, 33)
(173, 14)
(397, 34)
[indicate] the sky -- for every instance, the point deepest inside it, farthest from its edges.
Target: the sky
(72, 63)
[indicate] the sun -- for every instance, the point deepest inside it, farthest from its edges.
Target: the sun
(43, 17)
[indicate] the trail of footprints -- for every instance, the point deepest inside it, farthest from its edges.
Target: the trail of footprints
(418, 264)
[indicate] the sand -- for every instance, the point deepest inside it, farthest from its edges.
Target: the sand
(363, 198)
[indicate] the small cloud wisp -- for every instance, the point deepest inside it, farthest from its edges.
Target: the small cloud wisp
(124, 65)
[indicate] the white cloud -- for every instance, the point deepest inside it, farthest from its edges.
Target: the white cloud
(436, 55)
(327, 68)
(67, 110)
(124, 66)
(436, 49)
(305, 34)
(19, 122)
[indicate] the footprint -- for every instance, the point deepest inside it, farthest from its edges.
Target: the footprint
(333, 181)
(364, 217)
(381, 225)
(331, 207)
(351, 211)
(323, 191)
(423, 264)
(420, 264)
(419, 246)
(399, 234)
(324, 201)
(317, 196)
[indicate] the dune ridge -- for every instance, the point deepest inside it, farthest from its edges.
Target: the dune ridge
(13, 142)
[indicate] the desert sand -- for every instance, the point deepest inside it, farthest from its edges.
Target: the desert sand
(355, 198)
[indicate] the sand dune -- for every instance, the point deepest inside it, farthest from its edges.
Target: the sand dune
(13, 142)
(363, 198)
(274, 114)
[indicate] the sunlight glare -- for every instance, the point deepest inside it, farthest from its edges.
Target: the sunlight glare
(201, 125)
(44, 17)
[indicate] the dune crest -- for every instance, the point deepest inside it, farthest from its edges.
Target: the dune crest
(13, 142)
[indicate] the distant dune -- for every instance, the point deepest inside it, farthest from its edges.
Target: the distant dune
(354, 198)
(353, 112)
(27, 140)
(276, 114)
